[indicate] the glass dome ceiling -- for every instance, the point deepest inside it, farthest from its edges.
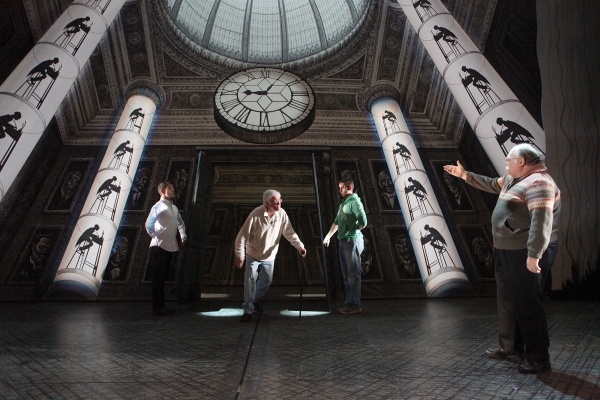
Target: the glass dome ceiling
(267, 31)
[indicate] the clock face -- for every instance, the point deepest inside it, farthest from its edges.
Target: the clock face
(264, 105)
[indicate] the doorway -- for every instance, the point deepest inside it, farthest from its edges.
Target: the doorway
(237, 188)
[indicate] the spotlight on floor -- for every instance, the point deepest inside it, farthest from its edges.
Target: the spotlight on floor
(307, 295)
(295, 313)
(223, 312)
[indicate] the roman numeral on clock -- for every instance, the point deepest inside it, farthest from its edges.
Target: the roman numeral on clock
(229, 104)
(264, 119)
(297, 105)
(243, 114)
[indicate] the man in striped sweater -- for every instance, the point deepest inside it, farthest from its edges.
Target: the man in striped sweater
(524, 227)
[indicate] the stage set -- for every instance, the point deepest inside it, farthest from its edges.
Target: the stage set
(102, 100)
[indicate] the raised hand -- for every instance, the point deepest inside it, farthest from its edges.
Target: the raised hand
(456, 170)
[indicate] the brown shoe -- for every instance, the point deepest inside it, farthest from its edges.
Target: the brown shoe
(534, 368)
(163, 311)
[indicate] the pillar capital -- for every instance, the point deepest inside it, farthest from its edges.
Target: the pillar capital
(148, 89)
(378, 92)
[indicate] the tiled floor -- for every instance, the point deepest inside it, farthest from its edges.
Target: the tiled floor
(395, 349)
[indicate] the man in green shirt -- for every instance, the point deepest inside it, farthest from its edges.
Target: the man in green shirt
(348, 223)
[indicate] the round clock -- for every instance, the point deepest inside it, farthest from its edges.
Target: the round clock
(264, 105)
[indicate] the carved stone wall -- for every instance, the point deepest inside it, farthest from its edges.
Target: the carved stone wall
(387, 268)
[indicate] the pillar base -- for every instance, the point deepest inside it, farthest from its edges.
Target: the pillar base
(453, 288)
(72, 287)
(448, 282)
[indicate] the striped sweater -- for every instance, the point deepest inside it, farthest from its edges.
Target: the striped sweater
(526, 215)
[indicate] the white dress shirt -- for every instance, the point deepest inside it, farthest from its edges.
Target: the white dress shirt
(162, 225)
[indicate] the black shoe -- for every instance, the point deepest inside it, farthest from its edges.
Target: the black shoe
(534, 368)
(163, 311)
(499, 354)
(258, 308)
(245, 317)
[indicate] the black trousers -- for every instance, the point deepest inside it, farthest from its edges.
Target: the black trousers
(159, 262)
(522, 325)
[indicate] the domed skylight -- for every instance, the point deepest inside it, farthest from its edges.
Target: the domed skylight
(267, 31)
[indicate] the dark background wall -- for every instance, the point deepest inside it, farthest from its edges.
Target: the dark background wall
(389, 269)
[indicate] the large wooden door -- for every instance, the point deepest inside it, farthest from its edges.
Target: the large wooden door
(237, 191)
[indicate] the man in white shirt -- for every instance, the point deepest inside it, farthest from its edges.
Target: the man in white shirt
(257, 243)
(162, 225)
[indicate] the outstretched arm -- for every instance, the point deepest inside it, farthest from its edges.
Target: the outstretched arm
(492, 185)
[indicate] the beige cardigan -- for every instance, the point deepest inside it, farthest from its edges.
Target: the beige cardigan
(260, 235)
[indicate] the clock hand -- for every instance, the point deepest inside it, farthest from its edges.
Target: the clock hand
(260, 92)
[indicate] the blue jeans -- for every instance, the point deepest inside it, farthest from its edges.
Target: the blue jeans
(256, 284)
(350, 250)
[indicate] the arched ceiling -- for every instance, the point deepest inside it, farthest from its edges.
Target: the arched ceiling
(380, 55)
(267, 31)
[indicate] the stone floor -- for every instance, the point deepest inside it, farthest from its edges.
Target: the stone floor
(395, 349)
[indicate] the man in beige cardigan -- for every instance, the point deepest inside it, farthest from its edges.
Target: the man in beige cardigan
(257, 243)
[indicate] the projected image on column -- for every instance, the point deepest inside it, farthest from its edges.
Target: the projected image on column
(100, 5)
(479, 89)
(416, 199)
(447, 42)
(136, 120)
(122, 157)
(513, 132)
(435, 250)
(424, 9)
(107, 198)
(87, 250)
(10, 133)
(36, 87)
(73, 34)
(390, 123)
(402, 158)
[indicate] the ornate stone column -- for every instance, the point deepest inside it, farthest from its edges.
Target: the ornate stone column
(440, 265)
(31, 95)
(89, 248)
(498, 118)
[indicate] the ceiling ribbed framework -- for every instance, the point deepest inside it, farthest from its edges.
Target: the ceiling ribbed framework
(267, 31)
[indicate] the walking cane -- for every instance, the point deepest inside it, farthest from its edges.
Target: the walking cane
(301, 268)
(321, 233)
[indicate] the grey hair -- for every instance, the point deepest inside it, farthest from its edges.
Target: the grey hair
(530, 154)
(270, 193)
